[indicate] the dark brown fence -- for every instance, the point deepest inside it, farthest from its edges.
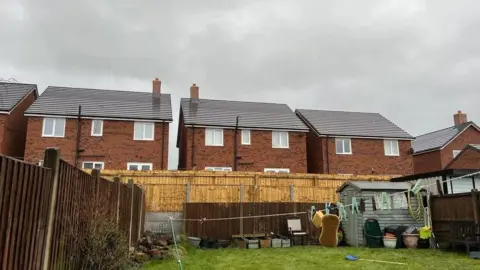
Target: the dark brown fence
(225, 229)
(46, 210)
(23, 213)
(453, 208)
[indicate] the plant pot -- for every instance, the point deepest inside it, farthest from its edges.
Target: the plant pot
(265, 243)
(390, 242)
(223, 243)
(194, 241)
(423, 243)
(410, 240)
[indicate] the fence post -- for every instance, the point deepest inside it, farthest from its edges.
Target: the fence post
(292, 198)
(96, 174)
(132, 193)
(242, 192)
(475, 206)
(140, 215)
(116, 179)
(52, 161)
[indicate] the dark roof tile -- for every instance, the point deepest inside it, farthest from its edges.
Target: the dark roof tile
(437, 139)
(12, 93)
(359, 124)
(103, 103)
(210, 112)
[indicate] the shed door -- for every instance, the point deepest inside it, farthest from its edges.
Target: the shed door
(351, 223)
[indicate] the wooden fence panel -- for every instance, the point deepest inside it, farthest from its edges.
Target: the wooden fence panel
(452, 208)
(26, 192)
(224, 229)
(167, 191)
(22, 212)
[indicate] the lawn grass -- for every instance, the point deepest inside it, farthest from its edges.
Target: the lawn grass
(316, 257)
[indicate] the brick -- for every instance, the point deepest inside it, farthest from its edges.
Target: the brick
(468, 159)
(13, 129)
(368, 157)
(439, 159)
(260, 153)
(115, 148)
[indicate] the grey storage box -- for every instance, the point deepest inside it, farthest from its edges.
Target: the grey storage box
(276, 242)
(252, 243)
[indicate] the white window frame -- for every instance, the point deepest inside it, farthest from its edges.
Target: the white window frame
(391, 143)
(139, 164)
(93, 163)
(219, 169)
(456, 152)
(280, 145)
(101, 128)
(144, 125)
(343, 146)
(54, 125)
(276, 170)
(211, 132)
(246, 137)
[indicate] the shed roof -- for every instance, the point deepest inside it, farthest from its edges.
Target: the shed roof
(64, 101)
(372, 185)
(223, 113)
(361, 124)
(437, 139)
(13, 93)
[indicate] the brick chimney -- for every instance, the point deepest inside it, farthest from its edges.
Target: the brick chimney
(194, 91)
(459, 118)
(156, 87)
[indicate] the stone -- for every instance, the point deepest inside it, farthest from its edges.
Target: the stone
(154, 252)
(143, 249)
(141, 257)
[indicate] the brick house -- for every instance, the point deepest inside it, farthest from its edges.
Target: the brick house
(434, 151)
(267, 137)
(355, 143)
(15, 98)
(105, 129)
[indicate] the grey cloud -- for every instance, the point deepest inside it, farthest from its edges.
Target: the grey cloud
(414, 61)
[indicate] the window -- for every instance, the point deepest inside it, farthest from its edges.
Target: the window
(343, 146)
(93, 165)
(143, 131)
(97, 127)
(246, 137)
(276, 170)
(391, 202)
(456, 152)
(139, 166)
(391, 148)
(53, 127)
(213, 137)
(219, 169)
(279, 139)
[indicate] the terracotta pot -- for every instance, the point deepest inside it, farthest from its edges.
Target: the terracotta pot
(410, 240)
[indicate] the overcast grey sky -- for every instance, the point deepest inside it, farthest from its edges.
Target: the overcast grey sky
(416, 62)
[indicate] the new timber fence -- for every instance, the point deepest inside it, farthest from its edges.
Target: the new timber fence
(168, 191)
(45, 210)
